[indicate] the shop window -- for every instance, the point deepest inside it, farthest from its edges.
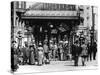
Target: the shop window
(81, 9)
(19, 4)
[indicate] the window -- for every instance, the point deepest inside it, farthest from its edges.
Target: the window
(88, 18)
(87, 7)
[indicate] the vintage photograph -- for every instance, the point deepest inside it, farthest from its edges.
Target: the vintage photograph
(52, 37)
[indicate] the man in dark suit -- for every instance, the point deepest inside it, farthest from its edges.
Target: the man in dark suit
(94, 50)
(14, 58)
(76, 50)
(89, 47)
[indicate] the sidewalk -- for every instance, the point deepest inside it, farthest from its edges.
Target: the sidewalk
(56, 66)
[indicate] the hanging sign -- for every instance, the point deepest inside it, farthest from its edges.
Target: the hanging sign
(54, 31)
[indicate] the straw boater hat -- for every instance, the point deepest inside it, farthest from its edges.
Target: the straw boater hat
(40, 48)
(65, 42)
(40, 44)
(45, 41)
(33, 40)
(51, 41)
(60, 41)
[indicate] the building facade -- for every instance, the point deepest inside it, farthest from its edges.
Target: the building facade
(89, 23)
(48, 21)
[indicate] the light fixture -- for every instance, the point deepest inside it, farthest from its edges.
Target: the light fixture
(51, 26)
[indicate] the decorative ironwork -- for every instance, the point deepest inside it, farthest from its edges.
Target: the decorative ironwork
(52, 7)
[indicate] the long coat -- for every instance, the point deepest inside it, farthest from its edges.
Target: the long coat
(76, 50)
(32, 57)
(25, 53)
(94, 47)
(89, 47)
(40, 55)
(84, 50)
(15, 59)
(45, 47)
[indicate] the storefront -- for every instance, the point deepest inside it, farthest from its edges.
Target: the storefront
(51, 25)
(59, 23)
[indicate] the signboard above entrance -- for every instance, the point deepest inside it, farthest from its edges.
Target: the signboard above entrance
(50, 13)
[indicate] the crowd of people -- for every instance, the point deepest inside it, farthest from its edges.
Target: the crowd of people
(44, 53)
(87, 52)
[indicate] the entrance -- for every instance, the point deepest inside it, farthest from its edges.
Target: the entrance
(51, 29)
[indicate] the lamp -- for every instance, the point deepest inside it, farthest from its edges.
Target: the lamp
(51, 26)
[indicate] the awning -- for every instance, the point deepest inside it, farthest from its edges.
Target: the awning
(38, 14)
(50, 17)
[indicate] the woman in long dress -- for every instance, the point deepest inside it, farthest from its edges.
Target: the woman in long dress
(84, 53)
(40, 55)
(54, 51)
(32, 58)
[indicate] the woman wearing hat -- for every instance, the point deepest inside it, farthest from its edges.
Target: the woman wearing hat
(51, 46)
(40, 54)
(60, 51)
(46, 52)
(32, 55)
(84, 53)
(54, 51)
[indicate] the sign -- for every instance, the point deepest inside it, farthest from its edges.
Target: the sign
(50, 13)
(51, 6)
(82, 28)
(62, 29)
(54, 31)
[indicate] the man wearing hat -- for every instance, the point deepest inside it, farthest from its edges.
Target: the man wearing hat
(75, 52)
(14, 57)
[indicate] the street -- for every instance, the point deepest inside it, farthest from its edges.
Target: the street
(56, 66)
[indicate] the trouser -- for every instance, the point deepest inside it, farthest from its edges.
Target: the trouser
(64, 56)
(54, 54)
(12, 63)
(76, 60)
(94, 55)
(50, 55)
(89, 56)
(25, 60)
(14, 66)
(46, 55)
(83, 60)
(20, 60)
(59, 56)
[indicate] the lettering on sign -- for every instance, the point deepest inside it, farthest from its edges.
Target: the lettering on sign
(50, 13)
(54, 31)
